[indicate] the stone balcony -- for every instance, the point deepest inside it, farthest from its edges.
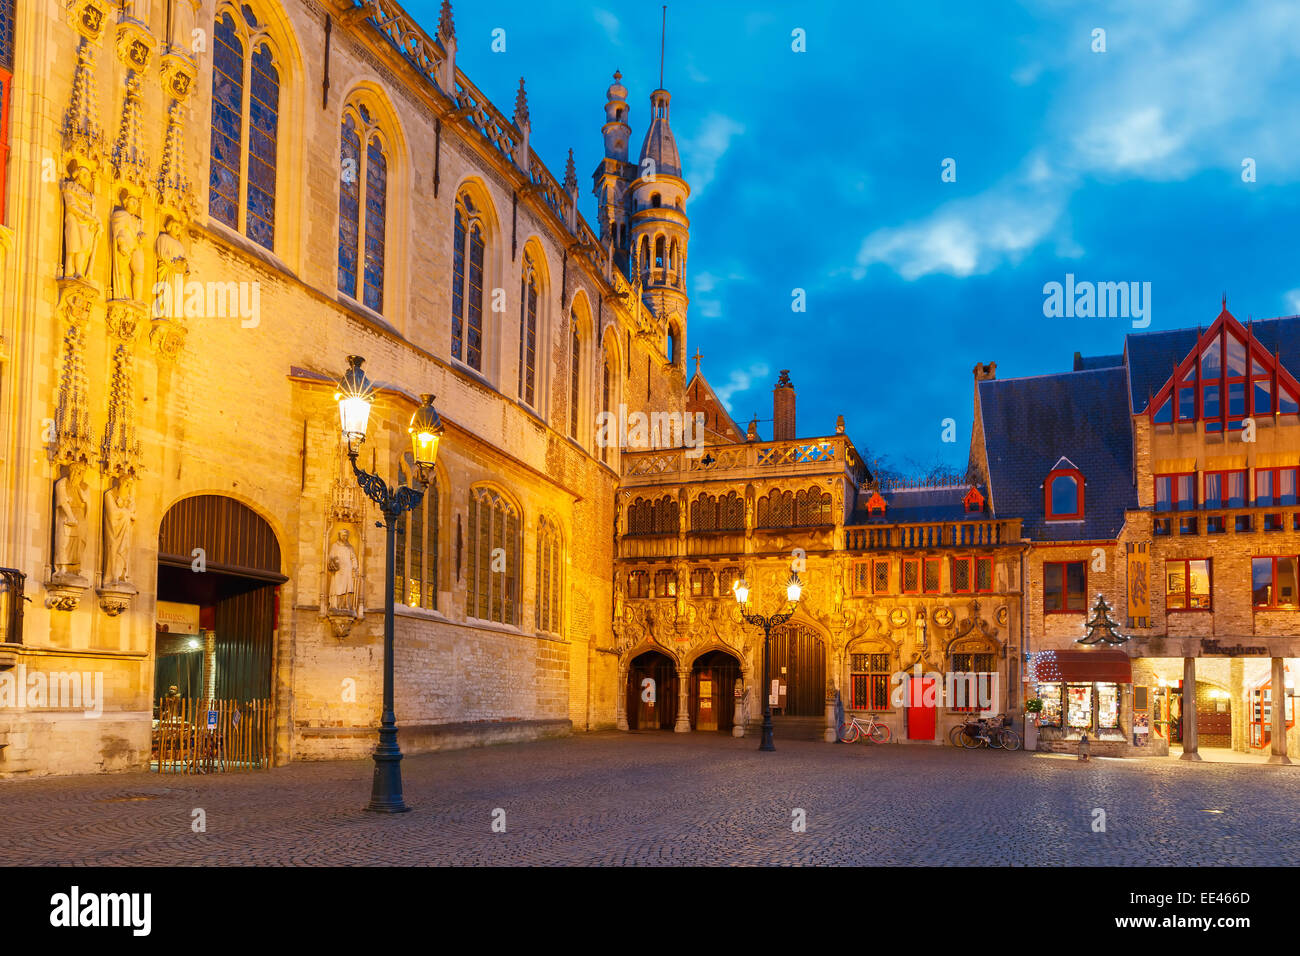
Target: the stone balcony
(940, 534)
(834, 455)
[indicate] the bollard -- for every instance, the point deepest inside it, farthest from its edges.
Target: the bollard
(1084, 747)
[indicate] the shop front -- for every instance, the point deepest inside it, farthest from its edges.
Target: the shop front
(1089, 693)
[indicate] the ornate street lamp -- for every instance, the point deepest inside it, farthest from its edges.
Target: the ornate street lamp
(355, 395)
(793, 589)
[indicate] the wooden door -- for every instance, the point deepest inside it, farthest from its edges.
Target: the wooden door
(920, 700)
(799, 663)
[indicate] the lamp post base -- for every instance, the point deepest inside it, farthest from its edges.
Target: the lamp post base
(767, 742)
(386, 791)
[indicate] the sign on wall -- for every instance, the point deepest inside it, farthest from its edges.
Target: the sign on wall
(174, 618)
(1139, 585)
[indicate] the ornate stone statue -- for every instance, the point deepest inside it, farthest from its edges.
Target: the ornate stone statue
(119, 515)
(128, 256)
(81, 227)
(181, 18)
(343, 567)
(69, 508)
(173, 262)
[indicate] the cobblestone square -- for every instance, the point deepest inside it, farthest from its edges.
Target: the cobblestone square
(659, 798)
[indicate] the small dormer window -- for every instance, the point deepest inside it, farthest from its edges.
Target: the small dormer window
(973, 503)
(1063, 491)
(875, 504)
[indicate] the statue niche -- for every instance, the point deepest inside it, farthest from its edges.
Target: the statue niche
(128, 253)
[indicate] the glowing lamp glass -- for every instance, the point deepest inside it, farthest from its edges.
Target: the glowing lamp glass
(741, 590)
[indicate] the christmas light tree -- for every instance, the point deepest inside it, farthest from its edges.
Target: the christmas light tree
(1101, 629)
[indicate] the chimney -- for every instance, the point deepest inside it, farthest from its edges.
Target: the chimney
(783, 408)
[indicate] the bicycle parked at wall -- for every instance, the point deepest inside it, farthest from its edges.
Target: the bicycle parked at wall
(991, 732)
(856, 727)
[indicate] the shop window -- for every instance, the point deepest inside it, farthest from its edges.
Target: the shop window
(1273, 582)
(1053, 709)
(1107, 706)
(1065, 587)
(930, 575)
(977, 668)
(1176, 492)
(638, 584)
(1261, 713)
(1187, 585)
(869, 680)
(1078, 700)
(911, 576)
(1225, 489)
(1274, 486)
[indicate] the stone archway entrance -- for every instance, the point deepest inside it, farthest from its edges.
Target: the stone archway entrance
(652, 691)
(218, 605)
(799, 663)
(712, 693)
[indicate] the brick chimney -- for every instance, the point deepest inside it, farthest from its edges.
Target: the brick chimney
(783, 408)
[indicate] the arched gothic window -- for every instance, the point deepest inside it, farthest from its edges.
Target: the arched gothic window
(776, 510)
(812, 508)
(415, 577)
(492, 588)
(575, 373)
(605, 388)
(652, 517)
(467, 284)
(547, 610)
(363, 207)
(528, 332)
(245, 122)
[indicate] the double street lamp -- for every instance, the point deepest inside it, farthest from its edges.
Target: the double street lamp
(355, 395)
(793, 589)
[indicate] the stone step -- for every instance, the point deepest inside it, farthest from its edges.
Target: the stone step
(790, 728)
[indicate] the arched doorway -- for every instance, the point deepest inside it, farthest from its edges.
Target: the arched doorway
(799, 665)
(651, 692)
(218, 602)
(713, 682)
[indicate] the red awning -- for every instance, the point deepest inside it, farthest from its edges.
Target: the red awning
(1107, 667)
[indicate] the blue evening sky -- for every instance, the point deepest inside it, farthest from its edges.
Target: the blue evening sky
(821, 170)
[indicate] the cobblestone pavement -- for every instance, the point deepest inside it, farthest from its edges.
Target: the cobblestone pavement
(613, 798)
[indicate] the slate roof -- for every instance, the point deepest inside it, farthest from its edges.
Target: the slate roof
(1086, 363)
(1030, 423)
(1151, 356)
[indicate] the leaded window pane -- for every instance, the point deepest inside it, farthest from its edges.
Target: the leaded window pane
(349, 205)
(376, 216)
(263, 119)
(227, 122)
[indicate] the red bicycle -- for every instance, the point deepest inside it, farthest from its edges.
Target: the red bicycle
(873, 731)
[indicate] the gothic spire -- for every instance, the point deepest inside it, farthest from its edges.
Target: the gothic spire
(521, 105)
(446, 27)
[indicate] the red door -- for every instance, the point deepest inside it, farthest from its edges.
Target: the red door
(920, 708)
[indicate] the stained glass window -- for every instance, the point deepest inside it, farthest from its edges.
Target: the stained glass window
(467, 285)
(263, 119)
(227, 122)
(245, 123)
(575, 369)
(528, 334)
(349, 205)
(376, 214)
(7, 34)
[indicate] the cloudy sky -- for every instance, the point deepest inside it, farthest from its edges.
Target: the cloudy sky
(822, 170)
